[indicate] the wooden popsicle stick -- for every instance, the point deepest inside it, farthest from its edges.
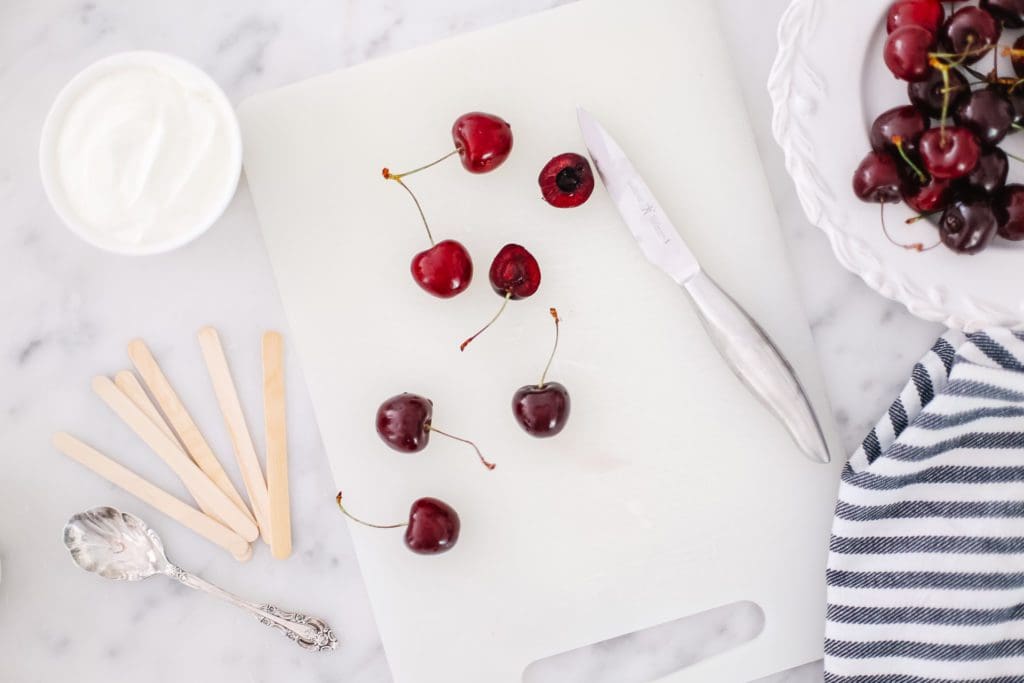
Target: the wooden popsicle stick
(210, 498)
(234, 418)
(126, 381)
(275, 427)
(184, 426)
(174, 508)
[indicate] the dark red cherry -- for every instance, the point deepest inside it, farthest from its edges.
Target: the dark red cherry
(484, 141)
(515, 274)
(444, 270)
(949, 154)
(990, 173)
(928, 14)
(906, 53)
(878, 179)
(970, 32)
(969, 224)
(566, 181)
(1010, 12)
(1008, 204)
(927, 197)
(988, 114)
(927, 95)
(433, 527)
(542, 409)
(906, 122)
(403, 422)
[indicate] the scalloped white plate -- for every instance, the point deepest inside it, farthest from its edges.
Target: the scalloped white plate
(827, 85)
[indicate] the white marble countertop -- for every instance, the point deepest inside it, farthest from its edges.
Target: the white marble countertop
(69, 311)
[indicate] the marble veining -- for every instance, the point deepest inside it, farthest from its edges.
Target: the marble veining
(68, 313)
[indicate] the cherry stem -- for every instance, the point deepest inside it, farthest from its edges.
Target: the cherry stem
(399, 176)
(356, 519)
(898, 141)
(922, 216)
(1016, 126)
(1014, 157)
(944, 70)
(976, 73)
(416, 201)
(488, 465)
(913, 246)
(508, 295)
(543, 376)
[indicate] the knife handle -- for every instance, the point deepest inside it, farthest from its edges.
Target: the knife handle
(758, 363)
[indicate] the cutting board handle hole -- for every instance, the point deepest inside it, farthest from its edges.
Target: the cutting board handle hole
(649, 654)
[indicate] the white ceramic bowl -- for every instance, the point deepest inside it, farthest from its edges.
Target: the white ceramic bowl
(828, 84)
(55, 189)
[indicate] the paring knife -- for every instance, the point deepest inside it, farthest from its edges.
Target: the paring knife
(743, 344)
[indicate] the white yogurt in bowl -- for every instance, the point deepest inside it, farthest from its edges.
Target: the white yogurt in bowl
(140, 153)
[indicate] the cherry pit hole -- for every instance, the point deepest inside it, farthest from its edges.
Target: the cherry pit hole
(650, 654)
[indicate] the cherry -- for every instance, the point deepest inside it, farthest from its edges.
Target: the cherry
(968, 225)
(566, 181)
(1016, 97)
(542, 409)
(970, 34)
(990, 173)
(404, 424)
(433, 525)
(444, 270)
(515, 274)
(878, 179)
(1008, 204)
(1010, 12)
(928, 95)
(928, 14)
(988, 114)
(905, 122)
(927, 197)
(483, 141)
(949, 153)
(907, 53)
(1017, 57)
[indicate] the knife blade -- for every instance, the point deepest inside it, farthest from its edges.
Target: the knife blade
(743, 344)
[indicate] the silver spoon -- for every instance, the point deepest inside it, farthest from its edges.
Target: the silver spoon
(119, 546)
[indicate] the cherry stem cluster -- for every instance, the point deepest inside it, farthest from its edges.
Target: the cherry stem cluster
(356, 519)
(488, 465)
(544, 375)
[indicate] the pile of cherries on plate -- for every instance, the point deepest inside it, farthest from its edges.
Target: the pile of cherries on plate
(404, 422)
(942, 153)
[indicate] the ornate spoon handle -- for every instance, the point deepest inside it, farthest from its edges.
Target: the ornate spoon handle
(308, 632)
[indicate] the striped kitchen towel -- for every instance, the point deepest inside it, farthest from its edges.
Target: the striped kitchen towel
(926, 564)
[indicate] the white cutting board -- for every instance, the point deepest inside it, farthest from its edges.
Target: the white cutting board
(671, 491)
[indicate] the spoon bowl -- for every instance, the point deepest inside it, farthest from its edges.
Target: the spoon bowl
(114, 544)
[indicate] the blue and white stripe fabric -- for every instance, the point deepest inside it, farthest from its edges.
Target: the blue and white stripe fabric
(926, 565)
